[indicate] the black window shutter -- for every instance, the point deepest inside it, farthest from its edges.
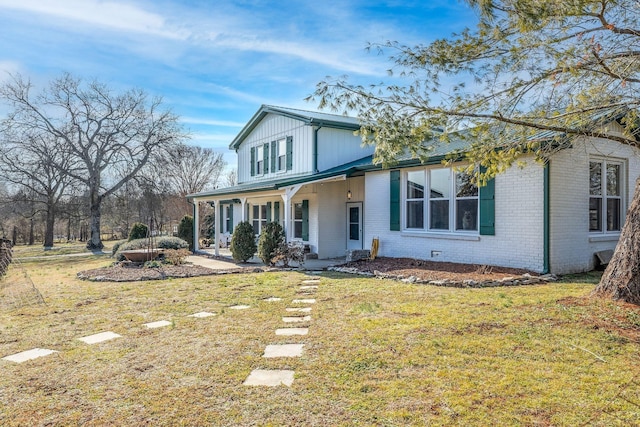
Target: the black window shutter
(305, 220)
(394, 200)
(289, 153)
(266, 158)
(253, 161)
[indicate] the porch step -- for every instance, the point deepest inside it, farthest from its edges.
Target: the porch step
(310, 256)
(355, 255)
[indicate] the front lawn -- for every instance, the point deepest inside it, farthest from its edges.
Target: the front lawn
(378, 352)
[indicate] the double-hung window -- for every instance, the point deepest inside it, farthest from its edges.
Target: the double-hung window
(440, 200)
(282, 154)
(259, 160)
(605, 195)
(297, 220)
(259, 218)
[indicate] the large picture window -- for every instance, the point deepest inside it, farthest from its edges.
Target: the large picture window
(450, 204)
(605, 195)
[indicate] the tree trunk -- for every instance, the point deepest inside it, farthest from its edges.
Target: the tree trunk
(95, 242)
(621, 279)
(48, 227)
(31, 236)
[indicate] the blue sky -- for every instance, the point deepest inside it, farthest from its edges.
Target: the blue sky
(215, 61)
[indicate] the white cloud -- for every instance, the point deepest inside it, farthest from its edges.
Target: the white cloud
(108, 14)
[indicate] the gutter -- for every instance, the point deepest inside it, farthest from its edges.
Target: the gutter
(546, 267)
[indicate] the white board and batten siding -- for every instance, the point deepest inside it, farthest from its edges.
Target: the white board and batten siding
(272, 128)
(519, 225)
(337, 147)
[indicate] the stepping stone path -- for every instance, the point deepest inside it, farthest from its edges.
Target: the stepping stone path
(283, 350)
(158, 324)
(202, 314)
(101, 337)
(299, 309)
(272, 299)
(239, 307)
(272, 378)
(29, 355)
(292, 331)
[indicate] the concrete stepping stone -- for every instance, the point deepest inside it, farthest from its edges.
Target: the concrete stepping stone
(311, 282)
(315, 272)
(201, 314)
(272, 299)
(304, 301)
(158, 324)
(308, 287)
(269, 378)
(299, 309)
(287, 332)
(283, 350)
(29, 355)
(239, 307)
(294, 319)
(101, 337)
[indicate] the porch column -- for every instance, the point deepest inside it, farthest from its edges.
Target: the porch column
(286, 198)
(216, 225)
(243, 203)
(196, 225)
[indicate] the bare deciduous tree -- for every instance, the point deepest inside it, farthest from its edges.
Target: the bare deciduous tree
(111, 136)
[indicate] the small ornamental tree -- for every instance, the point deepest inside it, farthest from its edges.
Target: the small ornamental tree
(185, 230)
(243, 242)
(271, 238)
(138, 231)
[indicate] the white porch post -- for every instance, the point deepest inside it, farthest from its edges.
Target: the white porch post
(196, 225)
(243, 202)
(286, 197)
(216, 225)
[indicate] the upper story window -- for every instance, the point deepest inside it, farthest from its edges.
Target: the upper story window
(272, 157)
(606, 191)
(440, 200)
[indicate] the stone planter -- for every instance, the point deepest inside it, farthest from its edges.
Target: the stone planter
(141, 255)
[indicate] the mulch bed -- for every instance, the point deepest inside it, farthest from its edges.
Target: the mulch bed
(124, 273)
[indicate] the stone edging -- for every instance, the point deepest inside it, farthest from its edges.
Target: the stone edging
(525, 279)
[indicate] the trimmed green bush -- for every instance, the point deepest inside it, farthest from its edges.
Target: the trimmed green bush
(138, 231)
(185, 230)
(243, 242)
(116, 246)
(271, 238)
(164, 242)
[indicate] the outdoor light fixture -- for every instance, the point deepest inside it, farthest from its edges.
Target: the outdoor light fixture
(349, 194)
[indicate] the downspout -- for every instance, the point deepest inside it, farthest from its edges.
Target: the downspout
(546, 212)
(314, 154)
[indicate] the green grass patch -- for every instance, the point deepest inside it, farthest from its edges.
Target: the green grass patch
(378, 353)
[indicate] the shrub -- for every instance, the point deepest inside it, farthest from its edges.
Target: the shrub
(164, 242)
(175, 256)
(243, 242)
(287, 252)
(185, 230)
(270, 240)
(116, 246)
(138, 231)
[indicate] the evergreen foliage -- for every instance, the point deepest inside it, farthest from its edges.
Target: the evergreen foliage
(185, 230)
(271, 239)
(138, 231)
(243, 242)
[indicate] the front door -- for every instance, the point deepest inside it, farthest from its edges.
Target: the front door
(354, 225)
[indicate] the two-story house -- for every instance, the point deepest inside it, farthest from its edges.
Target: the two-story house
(310, 172)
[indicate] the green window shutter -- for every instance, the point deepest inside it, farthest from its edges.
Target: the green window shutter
(394, 200)
(289, 153)
(487, 202)
(305, 220)
(253, 161)
(276, 212)
(221, 209)
(268, 211)
(230, 223)
(265, 149)
(274, 155)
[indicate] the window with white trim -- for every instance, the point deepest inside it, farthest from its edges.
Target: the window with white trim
(260, 160)
(606, 189)
(259, 218)
(450, 204)
(297, 220)
(281, 156)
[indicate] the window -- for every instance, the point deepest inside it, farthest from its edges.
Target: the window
(605, 195)
(259, 218)
(259, 160)
(451, 204)
(297, 220)
(282, 154)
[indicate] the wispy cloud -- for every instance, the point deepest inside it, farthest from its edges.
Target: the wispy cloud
(118, 16)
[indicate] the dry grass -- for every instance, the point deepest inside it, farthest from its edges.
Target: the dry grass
(378, 353)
